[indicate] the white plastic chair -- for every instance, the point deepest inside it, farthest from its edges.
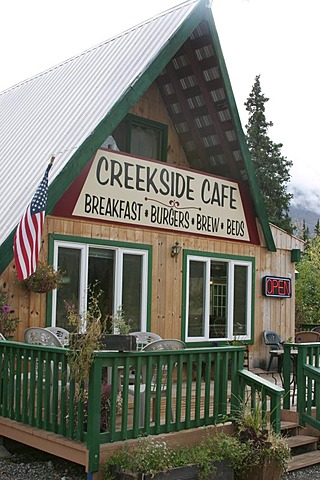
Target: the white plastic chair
(143, 338)
(41, 336)
(61, 333)
(45, 337)
(163, 344)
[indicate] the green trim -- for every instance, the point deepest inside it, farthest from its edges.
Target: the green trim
(228, 256)
(184, 295)
(120, 109)
(6, 251)
(223, 256)
(111, 243)
(256, 194)
(131, 120)
(49, 294)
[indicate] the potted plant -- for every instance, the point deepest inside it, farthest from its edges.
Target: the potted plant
(264, 454)
(85, 337)
(119, 339)
(8, 323)
(154, 459)
(252, 452)
(44, 279)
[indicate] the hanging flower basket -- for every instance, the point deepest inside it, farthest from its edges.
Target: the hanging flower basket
(44, 279)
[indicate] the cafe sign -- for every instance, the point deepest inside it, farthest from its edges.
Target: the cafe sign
(126, 189)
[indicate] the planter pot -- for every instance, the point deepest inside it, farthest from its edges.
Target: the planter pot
(118, 342)
(44, 279)
(40, 288)
(221, 471)
(111, 342)
(266, 471)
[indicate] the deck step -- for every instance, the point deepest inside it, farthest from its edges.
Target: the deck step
(300, 440)
(304, 460)
(287, 425)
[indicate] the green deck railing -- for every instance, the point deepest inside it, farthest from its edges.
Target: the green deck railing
(263, 395)
(302, 370)
(204, 386)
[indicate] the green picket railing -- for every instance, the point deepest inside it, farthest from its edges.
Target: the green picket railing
(204, 386)
(302, 369)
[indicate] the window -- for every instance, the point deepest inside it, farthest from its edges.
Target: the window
(121, 273)
(218, 298)
(142, 137)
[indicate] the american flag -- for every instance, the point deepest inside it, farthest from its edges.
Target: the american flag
(27, 239)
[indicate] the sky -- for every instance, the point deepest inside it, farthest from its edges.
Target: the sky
(276, 39)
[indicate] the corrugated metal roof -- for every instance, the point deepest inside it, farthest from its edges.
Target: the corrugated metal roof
(57, 110)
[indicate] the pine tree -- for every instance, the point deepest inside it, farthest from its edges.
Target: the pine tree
(272, 168)
(305, 232)
(308, 284)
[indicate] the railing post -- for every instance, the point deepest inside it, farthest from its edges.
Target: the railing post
(287, 365)
(237, 386)
(301, 380)
(93, 422)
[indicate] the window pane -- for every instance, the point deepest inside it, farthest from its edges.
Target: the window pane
(69, 261)
(196, 321)
(132, 290)
(240, 300)
(145, 142)
(218, 300)
(101, 270)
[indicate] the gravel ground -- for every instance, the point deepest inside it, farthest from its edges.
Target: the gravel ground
(26, 463)
(304, 473)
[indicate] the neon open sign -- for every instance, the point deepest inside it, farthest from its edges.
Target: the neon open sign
(276, 287)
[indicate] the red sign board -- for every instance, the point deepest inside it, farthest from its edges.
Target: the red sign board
(279, 287)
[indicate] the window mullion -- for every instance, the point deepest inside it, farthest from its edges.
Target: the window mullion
(118, 272)
(83, 288)
(230, 301)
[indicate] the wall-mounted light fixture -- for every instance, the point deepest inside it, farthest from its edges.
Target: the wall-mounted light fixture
(175, 250)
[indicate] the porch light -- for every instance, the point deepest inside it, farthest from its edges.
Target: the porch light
(175, 250)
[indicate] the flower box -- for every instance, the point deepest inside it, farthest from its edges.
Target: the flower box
(118, 342)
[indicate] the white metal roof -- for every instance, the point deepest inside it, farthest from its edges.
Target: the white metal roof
(57, 110)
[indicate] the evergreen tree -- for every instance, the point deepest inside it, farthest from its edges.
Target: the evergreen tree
(308, 284)
(306, 232)
(272, 168)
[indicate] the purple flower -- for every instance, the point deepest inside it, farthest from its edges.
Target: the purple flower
(6, 309)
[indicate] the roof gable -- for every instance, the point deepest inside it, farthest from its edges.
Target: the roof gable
(71, 108)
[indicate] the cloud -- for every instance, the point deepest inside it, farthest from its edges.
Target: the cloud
(306, 198)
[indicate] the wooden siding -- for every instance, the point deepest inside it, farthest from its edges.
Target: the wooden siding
(166, 303)
(166, 308)
(152, 107)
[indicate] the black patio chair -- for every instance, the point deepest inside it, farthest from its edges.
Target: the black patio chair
(273, 340)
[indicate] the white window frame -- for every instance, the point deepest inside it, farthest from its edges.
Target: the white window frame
(84, 262)
(231, 263)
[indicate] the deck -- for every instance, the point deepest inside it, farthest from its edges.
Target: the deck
(205, 388)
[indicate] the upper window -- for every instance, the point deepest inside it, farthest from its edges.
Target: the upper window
(142, 137)
(121, 273)
(218, 299)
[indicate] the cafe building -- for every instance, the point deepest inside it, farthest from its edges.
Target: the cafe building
(152, 193)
